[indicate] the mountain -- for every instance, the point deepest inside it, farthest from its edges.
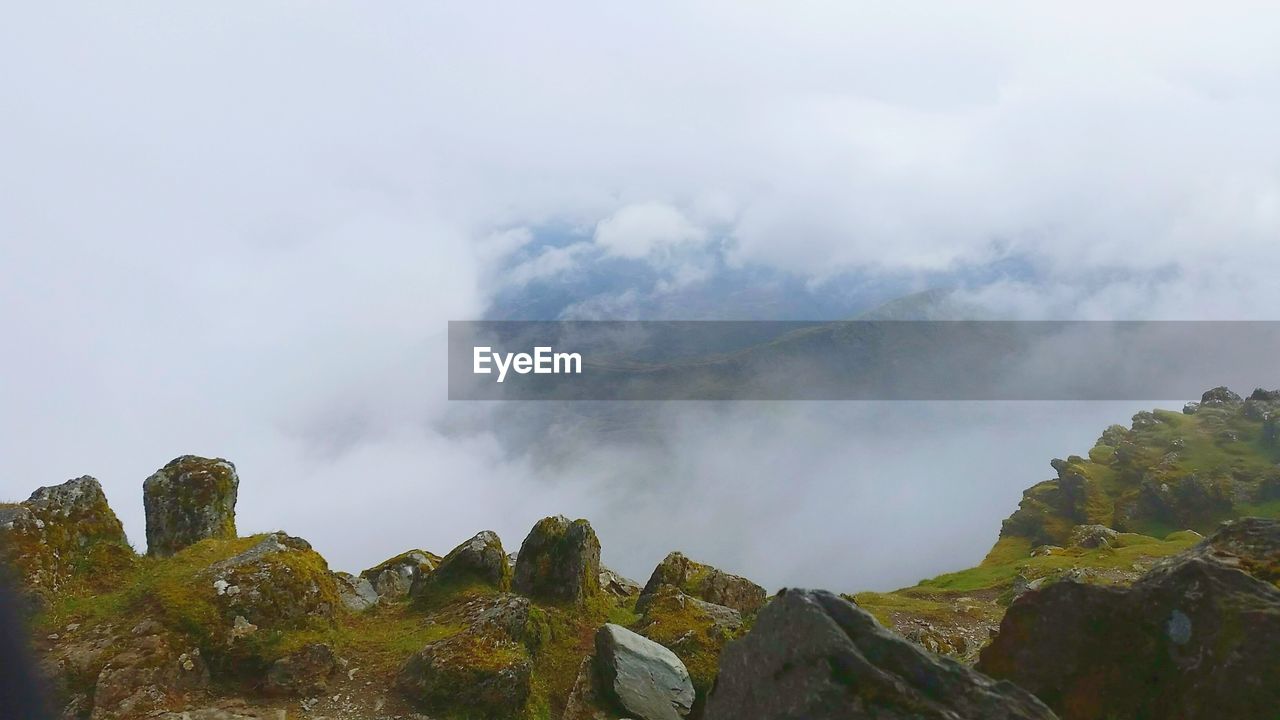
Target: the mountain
(210, 625)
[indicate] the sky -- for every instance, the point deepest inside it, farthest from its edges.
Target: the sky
(239, 229)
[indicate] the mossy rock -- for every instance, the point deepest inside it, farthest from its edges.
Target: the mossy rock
(63, 535)
(559, 561)
(704, 582)
(188, 500)
(393, 578)
(478, 565)
(695, 630)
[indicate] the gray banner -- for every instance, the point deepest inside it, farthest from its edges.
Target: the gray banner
(858, 360)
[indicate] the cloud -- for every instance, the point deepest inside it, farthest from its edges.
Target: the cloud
(241, 232)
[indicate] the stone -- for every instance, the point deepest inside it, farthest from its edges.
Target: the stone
(279, 582)
(1196, 637)
(611, 583)
(1093, 536)
(60, 531)
(695, 630)
(559, 561)
(1219, 397)
(646, 679)
(478, 562)
(585, 701)
(816, 656)
(703, 582)
(188, 500)
(484, 671)
(302, 673)
(146, 671)
(357, 594)
(393, 578)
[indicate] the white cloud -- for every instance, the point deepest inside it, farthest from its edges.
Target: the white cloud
(647, 229)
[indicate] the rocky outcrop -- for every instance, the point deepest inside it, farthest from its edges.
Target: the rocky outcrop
(392, 579)
(485, 669)
(703, 582)
(559, 561)
(1196, 637)
(645, 679)
(477, 563)
(813, 655)
(1093, 536)
(59, 531)
(188, 500)
(302, 673)
(618, 586)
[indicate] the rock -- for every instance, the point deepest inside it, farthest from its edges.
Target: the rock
(585, 701)
(703, 582)
(695, 630)
(357, 594)
(1046, 550)
(1190, 408)
(60, 531)
(1196, 637)
(1093, 536)
(484, 671)
(148, 670)
(1219, 397)
(393, 578)
(559, 561)
(813, 655)
(279, 582)
(478, 562)
(303, 673)
(611, 583)
(188, 500)
(644, 678)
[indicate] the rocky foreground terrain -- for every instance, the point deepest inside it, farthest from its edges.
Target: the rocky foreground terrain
(1103, 598)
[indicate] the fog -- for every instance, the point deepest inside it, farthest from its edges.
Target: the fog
(238, 230)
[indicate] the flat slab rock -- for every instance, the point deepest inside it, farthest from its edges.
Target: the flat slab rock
(815, 656)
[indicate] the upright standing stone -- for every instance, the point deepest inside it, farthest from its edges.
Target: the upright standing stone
(188, 500)
(559, 561)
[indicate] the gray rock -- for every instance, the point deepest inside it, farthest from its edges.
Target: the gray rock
(815, 656)
(50, 536)
(188, 500)
(646, 679)
(1093, 536)
(357, 593)
(559, 561)
(617, 585)
(302, 673)
(393, 579)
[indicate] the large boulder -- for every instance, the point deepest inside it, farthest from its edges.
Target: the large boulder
(479, 563)
(559, 561)
(302, 673)
(393, 578)
(484, 671)
(1197, 637)
(703, 582)
(279, 582)
(645, 679)
(816, 656)
(357, 594)
(60, 531)
(188, 500)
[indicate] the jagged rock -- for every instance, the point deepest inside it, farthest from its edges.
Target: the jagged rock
(611, 583)
(485, 670)
(357, 594)
(393, 578)
(1093, 536)
(60, 530)
(1191, 408)
(302, 673)
(644, 678)
(279, 582)
(703, 582)
(813, 655)
(1196, 637)
(479, 561)
(695, 630)
(559, 561)
(1046, 550)
(188, 500)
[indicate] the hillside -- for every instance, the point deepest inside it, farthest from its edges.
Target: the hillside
(210, 625)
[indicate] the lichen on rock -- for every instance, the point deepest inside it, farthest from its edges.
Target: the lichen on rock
(479, 564)
(189, 499)
(559, 561)
(704, 582)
